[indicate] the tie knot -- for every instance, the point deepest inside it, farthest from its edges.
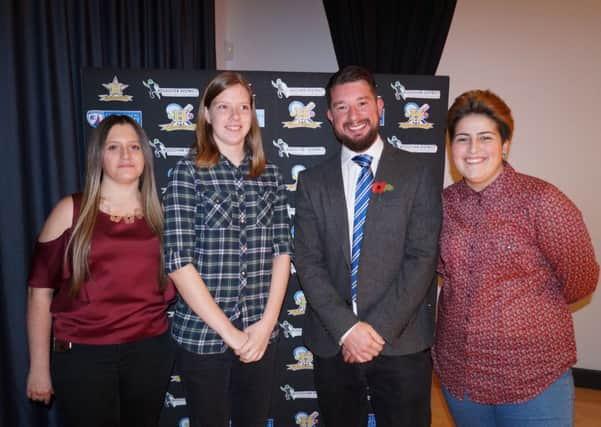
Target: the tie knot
(363, 160)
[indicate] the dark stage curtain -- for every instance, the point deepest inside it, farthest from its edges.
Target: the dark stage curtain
(390, 36)
(43, 46)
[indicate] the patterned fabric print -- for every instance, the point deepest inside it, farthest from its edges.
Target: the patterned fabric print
(229, 227)
(513, 256)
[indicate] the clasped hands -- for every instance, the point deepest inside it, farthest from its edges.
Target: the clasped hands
(362, 344)
(250, 345)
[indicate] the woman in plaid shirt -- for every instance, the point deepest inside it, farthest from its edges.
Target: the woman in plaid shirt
(227, 249)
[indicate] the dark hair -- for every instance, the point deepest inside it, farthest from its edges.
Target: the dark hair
(207, 153)
(349, 74)
(482, 102)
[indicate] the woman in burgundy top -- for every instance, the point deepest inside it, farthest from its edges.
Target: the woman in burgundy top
(514, 253)
(97, 282)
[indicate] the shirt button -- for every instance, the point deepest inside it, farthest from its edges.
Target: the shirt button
(243, 274)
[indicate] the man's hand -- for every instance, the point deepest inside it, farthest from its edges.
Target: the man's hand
(362, 344)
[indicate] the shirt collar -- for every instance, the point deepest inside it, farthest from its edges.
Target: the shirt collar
(375, 150)
(495, 188)
(244, 165)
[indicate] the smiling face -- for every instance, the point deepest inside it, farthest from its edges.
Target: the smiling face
(477, 150)
(230, 115)
(355, 114)
(122, 158)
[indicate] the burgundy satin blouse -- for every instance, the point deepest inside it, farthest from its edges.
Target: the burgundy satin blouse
(121, 301)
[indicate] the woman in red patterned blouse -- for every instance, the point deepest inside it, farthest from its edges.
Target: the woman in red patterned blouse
(514, 253)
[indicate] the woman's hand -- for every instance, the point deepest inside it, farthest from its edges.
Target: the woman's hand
(39, 385)
(236, 339)
(258, 339)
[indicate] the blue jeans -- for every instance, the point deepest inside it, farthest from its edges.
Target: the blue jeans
(554, 407)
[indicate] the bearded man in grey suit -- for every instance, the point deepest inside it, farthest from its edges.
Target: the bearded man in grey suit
(367, 225)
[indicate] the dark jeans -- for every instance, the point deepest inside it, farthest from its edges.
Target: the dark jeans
(398, 386)
(219, 387)
(113, 385)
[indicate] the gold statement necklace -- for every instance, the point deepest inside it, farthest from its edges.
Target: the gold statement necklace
(128, 217)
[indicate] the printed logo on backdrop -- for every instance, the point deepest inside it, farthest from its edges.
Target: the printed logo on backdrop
(291, 394)
(173, 402)
(284, 91)
(400, 92)
(175, 379)
(302, 116)
(155, 91)
(94, 117)
(115, 89)
(290, 331)
(416, 117)
(160, 151)
(412, 148)
(296, 169)
(371, 420)
(301, 304)
(306, 420)
(291, 211)
(181, 118)
(184, 422)
(304, 359)
(285, 150)
(260, 117)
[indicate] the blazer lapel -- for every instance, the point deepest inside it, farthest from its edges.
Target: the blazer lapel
(387, 170)
(336, 207)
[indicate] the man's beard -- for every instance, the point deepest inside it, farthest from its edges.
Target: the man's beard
(361, 144)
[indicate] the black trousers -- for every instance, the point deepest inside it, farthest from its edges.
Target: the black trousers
(219, 387)
(398, 388)
(113, 385)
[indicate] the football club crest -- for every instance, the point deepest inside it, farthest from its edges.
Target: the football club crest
(302, 116)
(416, 117)
(304, 359)
(296, 169)
(303, 419)
(301, 304)
(181, 118)
(94, 117)
(115, 89)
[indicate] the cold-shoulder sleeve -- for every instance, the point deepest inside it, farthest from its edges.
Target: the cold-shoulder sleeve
(47, 265)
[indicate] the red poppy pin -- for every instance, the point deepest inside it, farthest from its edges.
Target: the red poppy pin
(380, 187)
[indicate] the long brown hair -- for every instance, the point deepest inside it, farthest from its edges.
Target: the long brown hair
(78, 248)
(207, 152)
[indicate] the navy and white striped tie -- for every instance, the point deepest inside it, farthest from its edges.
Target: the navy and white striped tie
(362, 194)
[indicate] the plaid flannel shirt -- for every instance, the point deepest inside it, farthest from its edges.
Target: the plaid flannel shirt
(229, 227)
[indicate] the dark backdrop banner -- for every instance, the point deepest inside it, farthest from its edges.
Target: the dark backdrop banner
(296, 135)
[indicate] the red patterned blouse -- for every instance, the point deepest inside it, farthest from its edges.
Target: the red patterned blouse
(513, 256)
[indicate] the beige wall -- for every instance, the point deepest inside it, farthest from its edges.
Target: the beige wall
(542, 56)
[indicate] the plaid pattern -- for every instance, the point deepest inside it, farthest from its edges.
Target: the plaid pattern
(229, 227)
